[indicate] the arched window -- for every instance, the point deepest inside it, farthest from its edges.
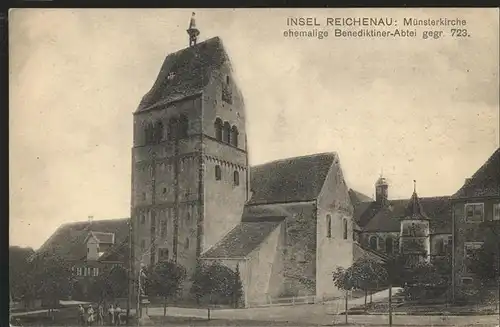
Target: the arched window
(234, 136)
(389, 245)
(344, 223)
(149, 133)
(236, 177)
(227, 132)
(172, 128)
(328, 226)
(218, 129)
(373, 242)
(159, 132)
(218, 173)
(183, 126)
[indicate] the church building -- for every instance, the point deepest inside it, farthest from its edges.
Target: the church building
(286, 224)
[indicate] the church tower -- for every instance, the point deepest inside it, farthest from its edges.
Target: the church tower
(381, 190)
(414, 233)
(189, 156)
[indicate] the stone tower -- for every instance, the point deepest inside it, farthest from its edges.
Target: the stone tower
(189, 156)
(414, 233)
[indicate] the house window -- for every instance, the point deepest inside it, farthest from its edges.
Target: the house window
(183, 126)
(163, 228)
(467, 280)
(470, 249)
(79, 271)
(236, 177)
(496, 211)
(328, 226)
(447, 245)
(373, 242)
(164, 190)
(186, 243)
(163, 255)
(389, 245)
(218, 173)
(344, 223)
(143, 245)
(143, 219)
(158, 132)
(153, 220)
(218, 129)
(474, 212)
(227, 80)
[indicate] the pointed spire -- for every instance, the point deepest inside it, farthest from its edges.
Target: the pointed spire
(192, 31)
(414, 208)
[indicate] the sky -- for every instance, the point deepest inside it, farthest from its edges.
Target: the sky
(415, 109)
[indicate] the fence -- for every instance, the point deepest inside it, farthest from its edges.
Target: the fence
(283, 301)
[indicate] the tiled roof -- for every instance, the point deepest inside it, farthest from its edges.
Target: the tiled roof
(243, 239)
(103, 238)
(486, 180)
(68, 241)
(357, 197)
(361, 252)
(290, 180)
(118, 253)
(414, 209)
(373, 217)
(185, 72)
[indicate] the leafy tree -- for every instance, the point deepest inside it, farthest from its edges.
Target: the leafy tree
(368, 274)
(484, 262)
(165, 279)
(344, 280)
(111, 283)
(20, 273)
(394, 266)
(51, 278)
(198, 287)
(217, 282)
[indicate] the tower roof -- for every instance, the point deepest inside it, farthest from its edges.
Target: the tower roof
(381, 181)
(185, 73)
(414, 209)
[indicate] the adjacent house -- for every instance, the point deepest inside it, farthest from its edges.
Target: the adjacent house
(88, 247)
(476, 206)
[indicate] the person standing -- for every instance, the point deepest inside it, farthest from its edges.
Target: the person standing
(90, 313)
(118, 313)
(81, 315)
(111, 314)
(100, 314)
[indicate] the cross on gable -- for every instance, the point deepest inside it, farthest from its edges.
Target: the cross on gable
(171, 75)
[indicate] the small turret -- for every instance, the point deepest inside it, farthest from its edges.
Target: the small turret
(414, 234)
(381, 190)
(192, 31)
